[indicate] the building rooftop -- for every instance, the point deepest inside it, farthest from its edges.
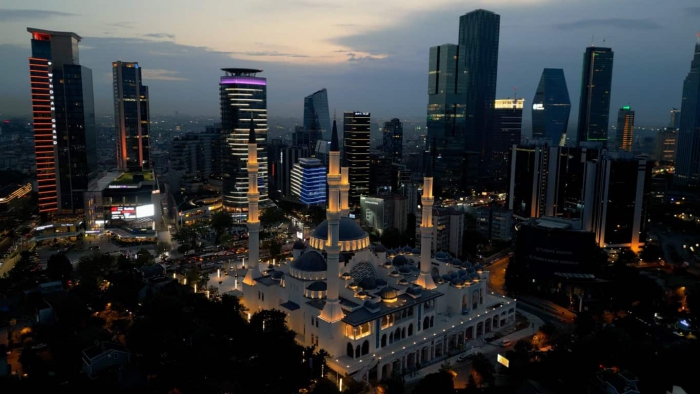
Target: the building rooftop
(128, 177)
(54, 33)
(362, 315)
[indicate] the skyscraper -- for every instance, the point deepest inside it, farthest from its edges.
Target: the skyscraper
(64, 121)
(131, 117)
(317, 119)
(528, 180)
(594, 105)
(479, 34)
(624, 134)
(392, 140)
(675, 118)
(243, 100)
(506, 128)
(308, 181)
(551, 107)
(447, 87)
(356, 152)
(688, 156)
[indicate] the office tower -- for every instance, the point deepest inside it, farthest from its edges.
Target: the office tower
(566, 179)
(317, 120)
(274, 150)
(447, 87)
(322, 151)
(624, 134)
(64, 122)
(309, 181)
(448, 225)
(528, 180)
(666, 145)
(288, 157)
(688, 152)
(675, 118)
(356, 153)
(506, 128)
(131, 117)
(380, 171)
(479, 33)
(615, 203)
(594, 105)
(392, 140)
(551, 107)
(243, 100)
(195, 154)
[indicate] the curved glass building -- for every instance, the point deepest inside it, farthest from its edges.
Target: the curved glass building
(551, 107)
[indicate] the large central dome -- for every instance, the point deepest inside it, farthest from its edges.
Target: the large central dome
(352, 236)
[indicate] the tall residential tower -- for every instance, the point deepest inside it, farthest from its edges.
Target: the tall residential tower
(392, 140)
(594, 105)
(624, 133)
(356, 153)
(688, 151)
(131, 117)
(64, 122)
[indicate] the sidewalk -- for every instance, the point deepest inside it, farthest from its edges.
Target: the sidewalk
(486, 347)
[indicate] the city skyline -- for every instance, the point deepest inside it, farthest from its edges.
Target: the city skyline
(367, 59)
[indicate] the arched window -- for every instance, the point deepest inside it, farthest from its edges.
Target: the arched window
(432, 320)
(349, 351)
(391, 338)
(403, 333)
(365, 347)
(410, 330)
(426, 323)
(397, 334)
(465, 302)
(357, 351)
(475, 299)
(383, 340)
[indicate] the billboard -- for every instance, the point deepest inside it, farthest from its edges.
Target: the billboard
(145, 211)
(372, 212)
(123, 212)
(503, 361)
(546, 251)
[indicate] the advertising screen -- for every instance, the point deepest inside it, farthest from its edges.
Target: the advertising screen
(123, 212)
(372, 212)
(145, 211)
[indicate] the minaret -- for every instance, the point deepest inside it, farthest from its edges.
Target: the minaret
(253, 197)
(425, 279)
(331, 311)
(344, 188)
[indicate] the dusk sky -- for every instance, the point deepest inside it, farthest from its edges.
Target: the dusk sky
(371, 55)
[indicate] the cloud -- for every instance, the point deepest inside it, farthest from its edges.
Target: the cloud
(353, 57)
(620, 23)
(160, 35)
(122, 25)
(161, 75)
(14, 15)
(269, 54)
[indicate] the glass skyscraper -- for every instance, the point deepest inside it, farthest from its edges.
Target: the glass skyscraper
(479, 34)
(624, 133)
(308, 181)
(131, 117)
(356, 152)
(594, 105)
(317, 120)
(506, 126)
(64, 122)
(392, 140)
(447, 88)
(551, 107)
(688, 152)
(243, 100)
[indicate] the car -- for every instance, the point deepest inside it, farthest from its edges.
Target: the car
(505, 343)
(96, 247)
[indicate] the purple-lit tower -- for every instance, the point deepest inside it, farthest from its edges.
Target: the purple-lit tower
(243, 104)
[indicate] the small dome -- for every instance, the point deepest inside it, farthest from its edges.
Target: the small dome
(456, 262)
(317, 286)
(380, 282)
(299, 245)
(453, 274)
(388, 294)
(478, 267)
(346, 276)
(414, 290)
(400, 260)
(394, 273)
(353, 285)
(380, 249)
(368, 284)
(363, 294)
(415, 251)
(407, 249)
(466, 264)
(470, 270)
(456, 282)
(387, 264)
(405, 270)
(441, 255)
(447, 277)
(475, 276)
(462, 272)
(310, 262)
(403, 282)
(277, 275)
(464, 277)
(391, 252)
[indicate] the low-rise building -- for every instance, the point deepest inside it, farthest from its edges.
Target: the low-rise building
(103, 356)
(449, 230)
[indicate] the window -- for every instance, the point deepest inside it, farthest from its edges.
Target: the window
(365, 347)
(383, 340)
(426, 323)
(348, 351)
(312, 320)
(391, 338)
(432, 320)
(316, 323)
(263, 296)
(410, 330)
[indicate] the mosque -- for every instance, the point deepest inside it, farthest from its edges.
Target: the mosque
(376, 311)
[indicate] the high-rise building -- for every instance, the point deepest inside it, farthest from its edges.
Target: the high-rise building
(566, 179)
(131, 117)
(666, 145)
(688, 156)
(675, 118)
(594, 105)
(449, 230)
(380, 172)
(243, 100)
(289, 157)
(392, 140)
(317, 118)
(506, 128)
(551, 107)
(528, 180)
(624, 133)
(447, 87)
(309, 181)
(479, 32)
(356, 152)
(64, 122)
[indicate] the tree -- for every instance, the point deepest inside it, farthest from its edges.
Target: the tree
(59, 267)
(325, 386)
(391, 238)
(545, 336)
(220, 222)
(162, 248)
(144, 257)
(272, 216)
(395, 385)
(436, 383)
(482, 370)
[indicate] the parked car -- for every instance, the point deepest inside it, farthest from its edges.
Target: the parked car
(505, 343)
(96, 247)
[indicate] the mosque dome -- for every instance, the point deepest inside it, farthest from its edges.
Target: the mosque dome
(352, 237)
(388, 294)
(368, 284)
(380, 249)
(456, 262)
(407, 249)
(310, 262)
(415, 251)
(317, 286)
(400, 260)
